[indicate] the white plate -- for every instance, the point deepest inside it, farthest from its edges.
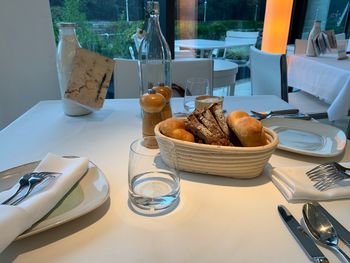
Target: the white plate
(307, 137)
(88, 194)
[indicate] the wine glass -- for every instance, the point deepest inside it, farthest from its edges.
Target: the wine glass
(194, 87)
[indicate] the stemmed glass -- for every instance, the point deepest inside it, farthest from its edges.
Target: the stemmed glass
(194, 87)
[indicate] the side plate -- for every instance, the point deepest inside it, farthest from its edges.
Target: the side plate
(88, 194)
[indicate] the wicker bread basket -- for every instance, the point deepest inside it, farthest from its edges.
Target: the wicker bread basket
(236, 162)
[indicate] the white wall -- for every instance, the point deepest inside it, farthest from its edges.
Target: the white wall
(27, 57)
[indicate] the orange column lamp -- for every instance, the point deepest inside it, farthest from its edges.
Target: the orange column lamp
(276, 26)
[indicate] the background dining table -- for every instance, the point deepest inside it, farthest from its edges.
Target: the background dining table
(325, 77)
(209, 45)
(218, 219)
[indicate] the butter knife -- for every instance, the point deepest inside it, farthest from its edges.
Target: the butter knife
(268, 114)
(284, 112)
(313, 252)
(299, 116)
(342, 232)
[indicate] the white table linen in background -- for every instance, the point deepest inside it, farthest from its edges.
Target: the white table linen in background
(295, 185)
(16, 219)
(324, 77)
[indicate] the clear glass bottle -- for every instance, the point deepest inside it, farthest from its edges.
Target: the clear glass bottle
(66, 49)
(154, 53)
(310, 49)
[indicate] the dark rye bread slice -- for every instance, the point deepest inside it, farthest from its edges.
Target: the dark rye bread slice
(198, 129)
(208, 120)
(207, 130)
(219, 115)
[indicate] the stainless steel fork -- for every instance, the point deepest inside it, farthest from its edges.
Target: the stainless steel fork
(331, 180)
(324, 170)
(33, 181)
(327, 175)
(23, 183)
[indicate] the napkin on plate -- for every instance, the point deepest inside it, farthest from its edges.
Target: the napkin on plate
(16, 219)
(295, 185)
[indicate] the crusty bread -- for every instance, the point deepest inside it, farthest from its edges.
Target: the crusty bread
(182, 134)
(167, 126)
(249, 130)
(204, 125)
(199, 130)
(235, 115)
(175, 128)
(219, 115)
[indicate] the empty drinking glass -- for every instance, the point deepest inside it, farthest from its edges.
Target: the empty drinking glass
(194, 87)
(153, 184)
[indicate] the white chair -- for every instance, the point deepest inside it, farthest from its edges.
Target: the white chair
(224, 77)
(126, 80)
(247, 38)
(184, 53)
(268, 73)
(269, 76)
(126, 72)
(241, 38)
(300, 46)
(28, 57)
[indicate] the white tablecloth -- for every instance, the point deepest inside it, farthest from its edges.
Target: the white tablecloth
(324, 77)
(218, 219)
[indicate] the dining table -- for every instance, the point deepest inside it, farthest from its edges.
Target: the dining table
(209, 45)
(325, 77)
(218, 219)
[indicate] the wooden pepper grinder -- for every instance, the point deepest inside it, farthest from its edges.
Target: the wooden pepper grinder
(167, 93)
(152, 104)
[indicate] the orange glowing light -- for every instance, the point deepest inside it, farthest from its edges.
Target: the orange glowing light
(276, 26)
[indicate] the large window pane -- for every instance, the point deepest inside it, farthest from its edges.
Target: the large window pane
(333, 14)
(106, 27)
(211, 20)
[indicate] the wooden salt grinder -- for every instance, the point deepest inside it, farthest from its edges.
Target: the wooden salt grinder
(167, 93)
(152, 104)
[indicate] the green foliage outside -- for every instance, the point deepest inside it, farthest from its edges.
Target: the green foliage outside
(114, 38)
(113, 44)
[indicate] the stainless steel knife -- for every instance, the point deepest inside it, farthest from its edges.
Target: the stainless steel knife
(304, 240)
(299, 116)
(284, 112)
(343, 233)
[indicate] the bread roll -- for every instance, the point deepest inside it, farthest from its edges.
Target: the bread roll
(175, 128)
(249, 130)
(167, 126)
(182, 134)
(235, 115)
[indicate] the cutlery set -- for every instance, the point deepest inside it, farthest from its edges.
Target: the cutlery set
(327, 175)
(318, 226)
(29, 181)
(290, 113)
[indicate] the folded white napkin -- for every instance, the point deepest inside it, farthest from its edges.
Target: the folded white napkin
(16, 219)
(295, 185)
